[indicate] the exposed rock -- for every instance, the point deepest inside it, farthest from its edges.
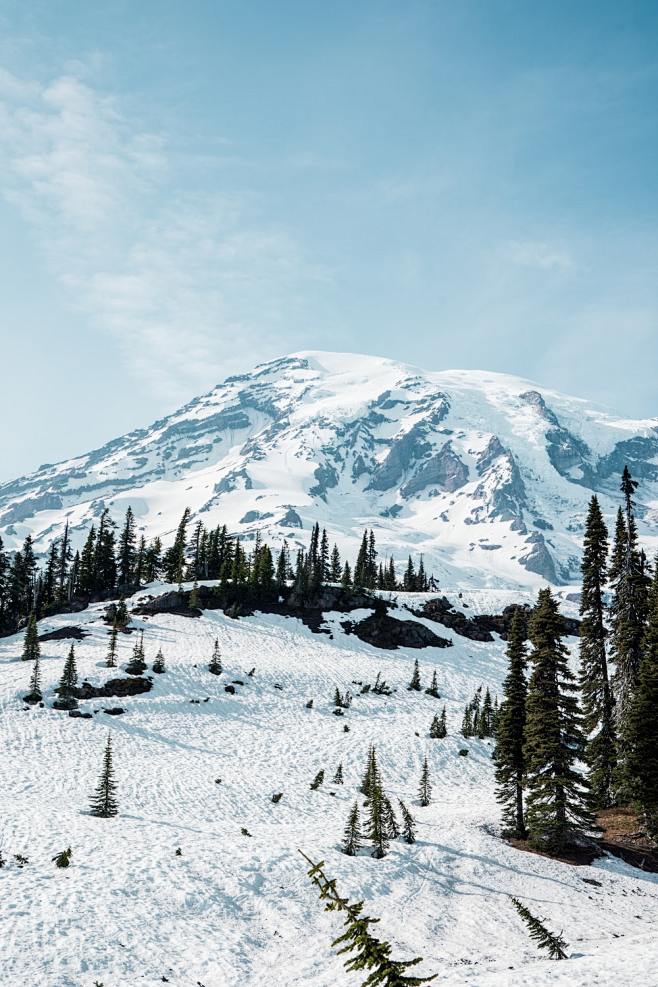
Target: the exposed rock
(443, 612)
(326, 477)
(382, 631)
(230, 688)
(172, 602)
(252, 516)
(539, 558)
(65, 633)
(114, 711)
(32, 698)
(113, 687)
(291, 519)
(444, 470)
(77, 714)
(501, 623)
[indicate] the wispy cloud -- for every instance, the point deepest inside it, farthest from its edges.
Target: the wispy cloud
(186, 282)
(538, 254)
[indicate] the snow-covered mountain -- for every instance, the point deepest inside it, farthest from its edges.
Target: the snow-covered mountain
(486, 474)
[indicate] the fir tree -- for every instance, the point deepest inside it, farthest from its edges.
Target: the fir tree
(558, 805)
(69, 680)
(596, 695)
(35, 695)
(370, 954)
(126, 555)
(159, 663)
(31, 649)
(415, 684)
(434, 687)
(317, 781)
(438, 726)
(425, 787)
(467, 722)
(137, 664)
(338, 777)
(641, 727)
(352, 836)
(103, 801)
(390, 820)
(335, 565)
(346, 579)
(408, 823)
(215, 666)
(111, 659)
(62, 859)
(377, 822)
(555, 945)
(371, 779)
(628, 609)
(508, 756)
(121, 616)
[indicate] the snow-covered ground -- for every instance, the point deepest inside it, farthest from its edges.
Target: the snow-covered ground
(239, 911)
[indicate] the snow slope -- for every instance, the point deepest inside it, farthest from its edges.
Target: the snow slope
(237, 911)
(484, 473)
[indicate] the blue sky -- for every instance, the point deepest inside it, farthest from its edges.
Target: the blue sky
(188, 189)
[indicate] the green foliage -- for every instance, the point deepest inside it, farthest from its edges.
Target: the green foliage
(509, 757)
(434, 687)
(103, 802)
(352, 835)
(641, 727)
(338, 777)
(415, 684)
(596, 694)
(159, 663)
(363, 951)
(63, 859)
(558, 810)
(555, 945)
(408, 823)
(317, 781)
(215, 666)
(111, 659)
(31, 649)
(425, 787)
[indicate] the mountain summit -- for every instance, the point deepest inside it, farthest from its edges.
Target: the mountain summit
(486, 474)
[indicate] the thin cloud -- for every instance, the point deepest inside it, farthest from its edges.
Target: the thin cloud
(186, 283)
(539, 255)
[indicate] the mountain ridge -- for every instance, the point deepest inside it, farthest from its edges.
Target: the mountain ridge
(487, 474)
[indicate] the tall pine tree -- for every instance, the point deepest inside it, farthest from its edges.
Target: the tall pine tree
(508, 756)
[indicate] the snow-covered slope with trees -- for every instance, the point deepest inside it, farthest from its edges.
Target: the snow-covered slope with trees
(486, 474)
(239, 910)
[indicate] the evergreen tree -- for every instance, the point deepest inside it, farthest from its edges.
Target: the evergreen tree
(103, 801)
(121, 616)
(467, 722)
(558, 803)
(438, 726)
(390, 820)
(361, 567)
(425, 788)
(370, 954)
(317, 781)
(628, 609)
(434, 687)
(338, 777)
(335, 565)
(137, 664)
(555, 945)
(105, 566)
(126, 553)
(86, 584)
(153, 561)
(159, 663)
(596, 695)
(346, 579)
(415, 684)
(352, 836)
(35, 695)
(63, 564)
(111, 659)
(377, 822)
(408, 824)
(69, 680)
(215, 666)
(508, 756)
(371, 779)
(641, 727)
(31, 649)
(486, 717)
(174, 558)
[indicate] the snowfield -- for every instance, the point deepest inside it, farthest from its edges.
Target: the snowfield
(239, 911)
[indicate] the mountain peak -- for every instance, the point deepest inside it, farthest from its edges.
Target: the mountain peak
(488, 475)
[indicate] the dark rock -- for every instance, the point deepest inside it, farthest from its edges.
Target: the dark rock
(463, 752)
(114, 711)
(230, 688)
(65, 633)
(76, 714)
(33, 699)
(113, 687)
(65, 704)
(444, 470)
(501, 623)
(291, 519)
(173, 602)
(539, 559)
(382, 631)
(443, 612)
(135, 667)
(237, 682)
(277, 797)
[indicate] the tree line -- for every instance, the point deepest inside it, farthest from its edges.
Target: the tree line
(570, 744)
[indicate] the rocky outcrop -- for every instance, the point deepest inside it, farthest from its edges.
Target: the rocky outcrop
(443, 612)
(539, 559)
(173, 602)
(444, 470)
(382, 631)
(65, 634)
(120, 688)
